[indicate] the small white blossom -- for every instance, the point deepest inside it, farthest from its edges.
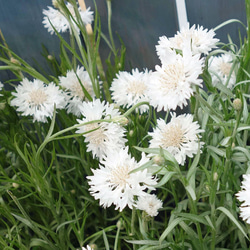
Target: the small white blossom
(198, 40)
(244, 196)
(150, 204)
(171, 85)
(130, 89)
(87, 248)
(220, 68)
(38, 99)
(113, 182)
(60, 22)
(105, 135)
(180, 136)
(73, 83)
(1, 86)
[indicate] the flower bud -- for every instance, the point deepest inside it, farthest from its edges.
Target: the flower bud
(215, 176)
(55, 4)
(237, 104)
(93, 246)
(14, 60)
(122, 120)
(2, 105)
(15, 185)
(159, 160)
(131, 132)
(50, 57)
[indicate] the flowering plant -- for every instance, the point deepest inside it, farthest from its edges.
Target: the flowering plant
(103, 158)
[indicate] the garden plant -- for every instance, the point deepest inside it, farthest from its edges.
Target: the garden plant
(93, 156)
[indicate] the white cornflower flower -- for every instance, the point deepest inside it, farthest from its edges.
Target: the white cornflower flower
(180, 136)
(150, 204)
(244, 196)
(113, 183)
(1, 86)
(106, 135)
(220, 67)
(171, 84)
(130, 89)
(38, 99)
(60, 22)
(87, 248)
(74, 88)
(198, 40)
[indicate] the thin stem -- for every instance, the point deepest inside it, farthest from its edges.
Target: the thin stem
(119, 224)
(52, 137)
(109, 26)
(133, 221)
(128, 112)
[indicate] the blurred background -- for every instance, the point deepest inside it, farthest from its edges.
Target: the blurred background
(139, 23)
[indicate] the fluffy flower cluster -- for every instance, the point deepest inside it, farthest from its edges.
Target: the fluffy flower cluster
(88, 247)
(170, 86)
(172, 83)
(244, 196)
(113, 183)
(34, 98)
(56, 19)
(198, 40)
(77, 85)
(101, 136)
(131, 89)
(150, 204)
(223, 69)
(180, 136)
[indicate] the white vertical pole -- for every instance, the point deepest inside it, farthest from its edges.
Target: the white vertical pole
(181, 13)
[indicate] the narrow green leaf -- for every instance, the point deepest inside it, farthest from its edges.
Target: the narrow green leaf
(191, 191)
(165, 179)
(170, 227)
(233, 219)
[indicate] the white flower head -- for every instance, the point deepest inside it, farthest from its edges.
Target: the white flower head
(87, 248)
(180, 136)
(60, 22)
(244, 196)
(104, 136)
(150, 204)
(198, 40)
(113, 183)
(73, 83)
(38, 99)
(130, 89)
(220, 68)
(171, 85)
(1, 86)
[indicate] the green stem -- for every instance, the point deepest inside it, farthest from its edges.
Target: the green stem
(119, 224)
(194, 211)
(128, 112)
(133, 221)
(50, 138)
(109, 26)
